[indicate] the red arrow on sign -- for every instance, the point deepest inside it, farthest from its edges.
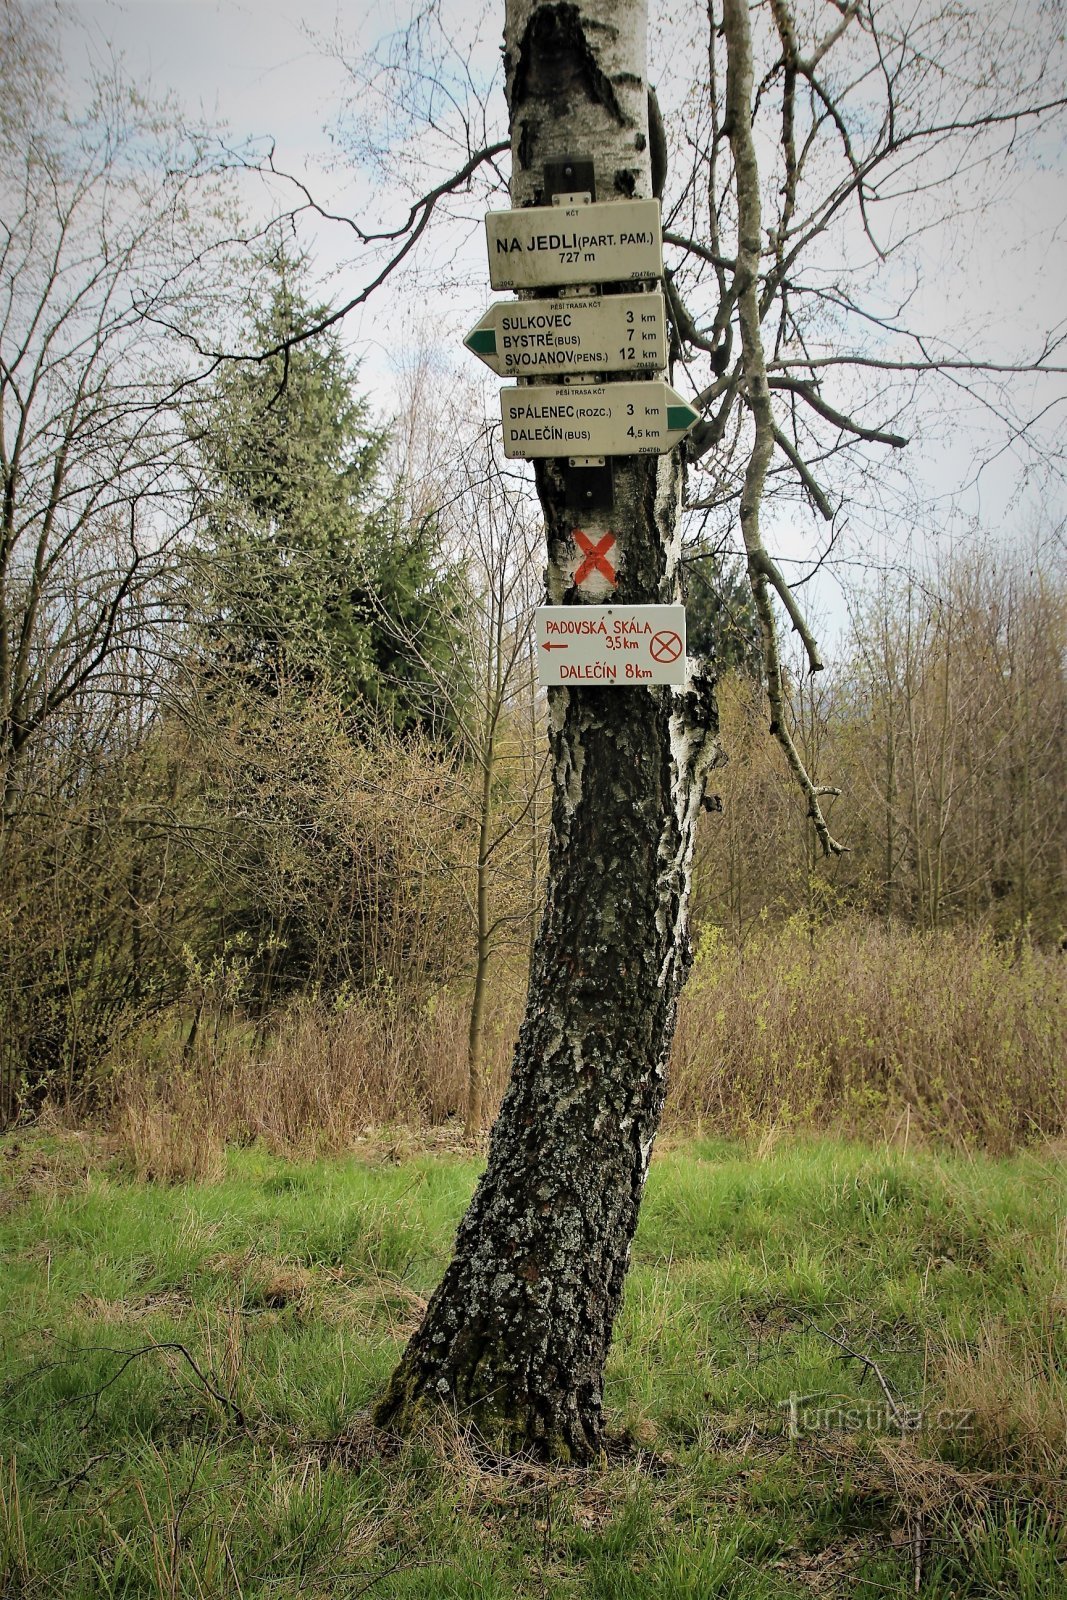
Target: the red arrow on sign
(553, 647)
(595, 556)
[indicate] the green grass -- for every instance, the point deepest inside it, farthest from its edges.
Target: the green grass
(292, 1287)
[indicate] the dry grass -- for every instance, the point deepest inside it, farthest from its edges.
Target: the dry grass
(945, 1038)
(69, 1160)
(944, 1035)
(170, 1140)
(323, 1079)
(1013, 1389)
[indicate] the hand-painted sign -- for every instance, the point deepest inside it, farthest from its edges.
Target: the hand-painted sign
(612, 646)
(612, 419)
(613, 242)
(610, 333)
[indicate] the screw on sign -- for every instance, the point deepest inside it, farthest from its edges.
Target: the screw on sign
(665, 646)
(595, 557)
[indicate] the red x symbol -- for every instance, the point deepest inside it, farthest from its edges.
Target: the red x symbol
(595, 556)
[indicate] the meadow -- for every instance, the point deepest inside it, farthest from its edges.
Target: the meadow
(840, 1370)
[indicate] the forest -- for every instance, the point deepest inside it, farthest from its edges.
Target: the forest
(274, 762)
(286, 815)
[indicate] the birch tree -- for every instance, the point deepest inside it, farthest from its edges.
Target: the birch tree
(516, 1336)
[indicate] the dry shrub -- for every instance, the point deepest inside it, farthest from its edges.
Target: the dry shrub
(322, 1078)
(169, 1143)
(851, 1024)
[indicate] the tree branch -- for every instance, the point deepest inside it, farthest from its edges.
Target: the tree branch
(757, 395)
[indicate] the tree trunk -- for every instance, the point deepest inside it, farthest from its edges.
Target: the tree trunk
(515, 1338)
(476, 1028)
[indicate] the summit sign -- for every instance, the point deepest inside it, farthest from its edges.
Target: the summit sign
(616, 242)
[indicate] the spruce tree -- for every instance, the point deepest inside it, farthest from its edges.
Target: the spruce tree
(312, 578)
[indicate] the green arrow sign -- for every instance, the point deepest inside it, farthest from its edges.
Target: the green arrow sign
(610, 419)
(580, 333)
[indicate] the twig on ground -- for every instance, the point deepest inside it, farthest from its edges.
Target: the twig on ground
(130, 1356)
(901, 1418)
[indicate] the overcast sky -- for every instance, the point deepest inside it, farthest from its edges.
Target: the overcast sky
(256, 65)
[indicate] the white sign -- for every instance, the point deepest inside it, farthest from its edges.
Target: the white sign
(621, 646)
(609, 419)
(613, 242)
(524, 338)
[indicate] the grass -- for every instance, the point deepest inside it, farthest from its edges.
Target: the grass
(268, 1307)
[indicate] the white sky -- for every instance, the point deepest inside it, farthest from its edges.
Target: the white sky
(253, 65)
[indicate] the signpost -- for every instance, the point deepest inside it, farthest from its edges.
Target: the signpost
(620, 646)
(580, 337)
(531, 338)
(608, 419)
(542, 246)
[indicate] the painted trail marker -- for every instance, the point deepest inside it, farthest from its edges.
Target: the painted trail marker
(540, 246)
(622, 646)
(596, 558)
(524, 338)
(611, 419)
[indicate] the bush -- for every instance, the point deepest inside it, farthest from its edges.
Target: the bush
(856, 1025)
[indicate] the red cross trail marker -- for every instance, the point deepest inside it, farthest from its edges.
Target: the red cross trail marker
(595, 557)
(665, 646)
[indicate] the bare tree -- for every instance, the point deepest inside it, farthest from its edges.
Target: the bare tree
(802, 172)
(102, 233)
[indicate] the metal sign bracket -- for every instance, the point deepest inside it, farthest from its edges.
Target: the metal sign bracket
(588, 481)
(570, 181)
(589, 484)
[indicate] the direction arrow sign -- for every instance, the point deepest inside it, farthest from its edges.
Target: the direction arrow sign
(586, 334)
(614, 242)
(607, 419)
(622, 646)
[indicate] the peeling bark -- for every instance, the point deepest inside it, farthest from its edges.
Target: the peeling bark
(515, 1338)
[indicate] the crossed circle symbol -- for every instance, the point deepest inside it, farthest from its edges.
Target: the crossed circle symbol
(666, 646)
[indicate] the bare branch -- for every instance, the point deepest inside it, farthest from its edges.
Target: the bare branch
(817, 494)
(811, 395)
(757, 393)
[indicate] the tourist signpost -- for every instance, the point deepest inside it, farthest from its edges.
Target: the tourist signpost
(542, 246)
(578, 334)
(607, 419)
(611, 645)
